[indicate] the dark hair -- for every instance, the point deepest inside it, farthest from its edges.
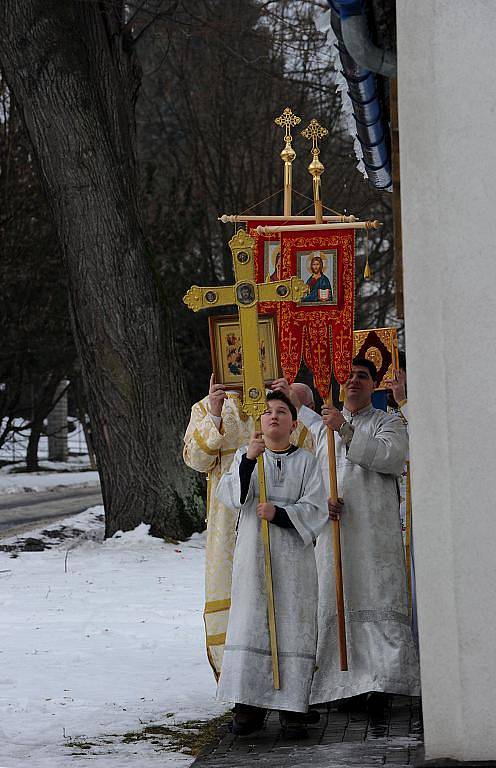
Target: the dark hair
(402, 360)
(364, 363)
(277, 395)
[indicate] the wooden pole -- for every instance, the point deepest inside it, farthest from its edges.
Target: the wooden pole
(268, 572)
(235, 218)
(336, 545)
(307, 227)
(408, 538)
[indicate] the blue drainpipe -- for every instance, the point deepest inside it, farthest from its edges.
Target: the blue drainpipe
(372, 128)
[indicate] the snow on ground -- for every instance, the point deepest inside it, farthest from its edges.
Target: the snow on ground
(97, 639)
(53, 474)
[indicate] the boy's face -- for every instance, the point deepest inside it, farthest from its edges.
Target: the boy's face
(277, 422)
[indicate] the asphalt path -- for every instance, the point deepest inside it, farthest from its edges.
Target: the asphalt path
(21, 511)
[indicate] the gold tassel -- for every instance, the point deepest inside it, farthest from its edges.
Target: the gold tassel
(342, 393)
(367, 272)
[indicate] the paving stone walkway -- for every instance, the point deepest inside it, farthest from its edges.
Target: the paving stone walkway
(340, 740)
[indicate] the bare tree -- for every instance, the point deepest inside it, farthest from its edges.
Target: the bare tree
(73, 71)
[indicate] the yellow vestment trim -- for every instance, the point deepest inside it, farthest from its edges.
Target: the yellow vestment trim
(202, 408)
(302, 437)
(214, 606)
(201, 442)
(216, 639)
(228, 451)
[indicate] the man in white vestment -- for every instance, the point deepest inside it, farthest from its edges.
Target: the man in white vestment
(296, 511)
(371, 448)
(217, 428)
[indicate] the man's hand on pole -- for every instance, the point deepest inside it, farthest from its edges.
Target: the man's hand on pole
(332, 417)
(335, 508)
(256, 446)
(266, 511)
(216, 397)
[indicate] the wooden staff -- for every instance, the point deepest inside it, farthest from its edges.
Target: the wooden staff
(318, 226)
(336, 545)
(234, 218)
(268, 571)
(408, 538)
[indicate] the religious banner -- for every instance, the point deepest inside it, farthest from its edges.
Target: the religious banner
(380, 346)
(318, 329)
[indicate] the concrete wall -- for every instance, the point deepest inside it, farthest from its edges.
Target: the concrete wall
(447, 121)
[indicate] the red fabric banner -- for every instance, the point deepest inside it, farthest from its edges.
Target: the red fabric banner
(320, 328)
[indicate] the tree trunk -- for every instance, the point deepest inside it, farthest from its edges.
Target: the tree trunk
(72, 70)
(33, 442)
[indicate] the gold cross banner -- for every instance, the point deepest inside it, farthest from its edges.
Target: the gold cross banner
(246, 293)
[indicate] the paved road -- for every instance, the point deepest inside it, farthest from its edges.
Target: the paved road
(20, 511)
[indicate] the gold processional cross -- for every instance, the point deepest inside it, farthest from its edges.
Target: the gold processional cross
(287, 121)
(314, 131)
(246, 293)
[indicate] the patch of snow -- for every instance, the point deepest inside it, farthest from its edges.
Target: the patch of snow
(44, 481)
(102, 638)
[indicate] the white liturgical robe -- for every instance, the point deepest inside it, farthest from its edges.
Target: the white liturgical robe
(210, 447)
(381, 651)
(294, 482)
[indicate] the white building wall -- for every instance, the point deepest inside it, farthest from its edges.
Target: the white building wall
(447, 117)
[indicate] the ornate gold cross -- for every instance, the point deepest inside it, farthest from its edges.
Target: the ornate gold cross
(314, 131)
(287, 121)
(246, 294)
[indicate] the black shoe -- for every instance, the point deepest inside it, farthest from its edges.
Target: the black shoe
(247, 719)
(293, 724)
(378, 704)
(312, 717)
(353, 703)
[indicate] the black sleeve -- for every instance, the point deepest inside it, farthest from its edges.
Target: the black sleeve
(281, 518)
(246, 468)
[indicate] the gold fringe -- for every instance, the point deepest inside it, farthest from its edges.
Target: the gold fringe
(367, 272)
(342, 393)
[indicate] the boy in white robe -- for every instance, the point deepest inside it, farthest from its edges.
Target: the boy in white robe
(296, 509)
